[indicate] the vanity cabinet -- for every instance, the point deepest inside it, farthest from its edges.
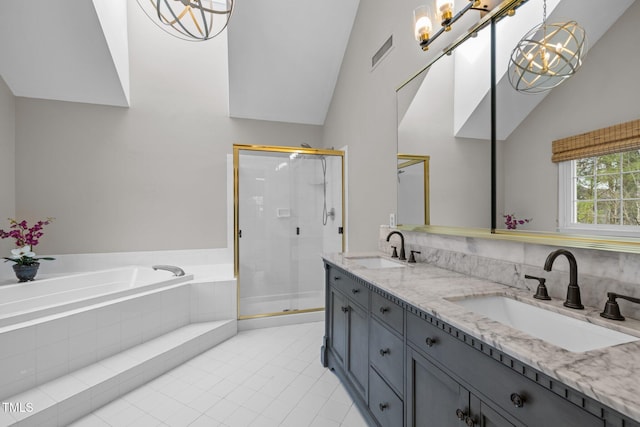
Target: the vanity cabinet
(404, 367)
(386, 361)
(436, 399)
(349, 327)
(515, 395)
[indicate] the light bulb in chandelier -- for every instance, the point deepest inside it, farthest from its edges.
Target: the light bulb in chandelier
(445, 13)
(193, 20)
(546, 56)
(422, 25)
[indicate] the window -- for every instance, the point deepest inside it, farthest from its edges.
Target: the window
(601, 193)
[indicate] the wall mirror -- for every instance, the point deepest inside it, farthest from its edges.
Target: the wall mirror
(445, 120)
(603, 93)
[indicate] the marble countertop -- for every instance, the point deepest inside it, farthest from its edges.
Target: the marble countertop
(610, 375)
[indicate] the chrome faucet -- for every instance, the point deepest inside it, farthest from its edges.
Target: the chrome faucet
(177, 271)
(573, 291)
(402, 256)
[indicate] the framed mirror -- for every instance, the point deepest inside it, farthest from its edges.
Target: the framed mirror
(444, 120)
(526, 183)
(537, 194)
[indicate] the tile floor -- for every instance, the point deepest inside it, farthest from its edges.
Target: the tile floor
(259, 378)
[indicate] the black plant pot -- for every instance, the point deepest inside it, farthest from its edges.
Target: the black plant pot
(26, 273)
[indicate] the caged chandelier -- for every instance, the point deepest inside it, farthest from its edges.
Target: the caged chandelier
(193, 20)
(547, 55)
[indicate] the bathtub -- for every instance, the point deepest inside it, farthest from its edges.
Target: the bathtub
(54, 326)
(44, 297)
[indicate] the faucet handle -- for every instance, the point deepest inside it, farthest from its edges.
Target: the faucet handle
(541, 292)
(395, 252)
(412, 257)
(611, 308)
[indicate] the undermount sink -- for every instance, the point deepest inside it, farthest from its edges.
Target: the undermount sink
(557, 329)
(376, 262)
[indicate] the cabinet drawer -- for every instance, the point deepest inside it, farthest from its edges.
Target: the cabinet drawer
(337, 277)
(345, 284)
(496, 381)
(386, 353)
(387, 311)
(385, 405)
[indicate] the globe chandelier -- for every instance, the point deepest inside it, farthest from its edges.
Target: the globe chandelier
(547, 55)
(193, 20)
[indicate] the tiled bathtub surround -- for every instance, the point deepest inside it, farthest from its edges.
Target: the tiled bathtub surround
(32, 353)
(508, 262)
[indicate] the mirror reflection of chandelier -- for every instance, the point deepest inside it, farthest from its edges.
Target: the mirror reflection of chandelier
(547, 55)
(193, 20)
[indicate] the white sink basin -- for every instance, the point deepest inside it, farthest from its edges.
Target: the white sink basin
(563, 331)
(376, 262)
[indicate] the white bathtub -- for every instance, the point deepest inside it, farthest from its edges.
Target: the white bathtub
(44, 297)
(54, 326)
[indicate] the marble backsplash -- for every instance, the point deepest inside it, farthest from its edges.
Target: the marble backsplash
(508, 262)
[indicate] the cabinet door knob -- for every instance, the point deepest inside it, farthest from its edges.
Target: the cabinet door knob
(517, 400)
(460, 414)
(430, 341)
(355, 291)
(383, 406)
(469, 421)
(345, 309)
(383, 310)
(384, 351)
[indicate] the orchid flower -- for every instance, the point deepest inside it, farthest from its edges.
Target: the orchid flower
(24, 251)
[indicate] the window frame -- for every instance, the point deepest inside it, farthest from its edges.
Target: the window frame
(566, 213)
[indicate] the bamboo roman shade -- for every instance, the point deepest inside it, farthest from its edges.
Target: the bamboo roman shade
(614, 139)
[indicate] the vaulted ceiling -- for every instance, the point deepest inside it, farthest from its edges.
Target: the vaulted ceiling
(284, 55)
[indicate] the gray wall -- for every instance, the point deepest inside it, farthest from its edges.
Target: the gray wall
(148, 177)
(363, 113)
(7, 162)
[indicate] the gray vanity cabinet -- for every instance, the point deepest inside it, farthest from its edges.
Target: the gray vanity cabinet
(516, 397)
(405, 367)
(436, 399)
(349, 327)
(386, 360)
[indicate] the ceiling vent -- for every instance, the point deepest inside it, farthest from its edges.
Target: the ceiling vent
(382, 52)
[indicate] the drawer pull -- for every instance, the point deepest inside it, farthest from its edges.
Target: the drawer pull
(336, 278)
(383, 310)
(430, 341)
(384, 351)
(383, 406)
(345, 309)
(355, 291)
(517, 400)
(469, 421)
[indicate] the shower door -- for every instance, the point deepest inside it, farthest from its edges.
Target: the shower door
(288, 208)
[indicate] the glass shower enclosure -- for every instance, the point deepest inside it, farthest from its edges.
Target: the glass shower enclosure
(288, 206)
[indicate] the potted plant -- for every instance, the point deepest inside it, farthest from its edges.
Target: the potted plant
(512, 222)
(26, 263)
